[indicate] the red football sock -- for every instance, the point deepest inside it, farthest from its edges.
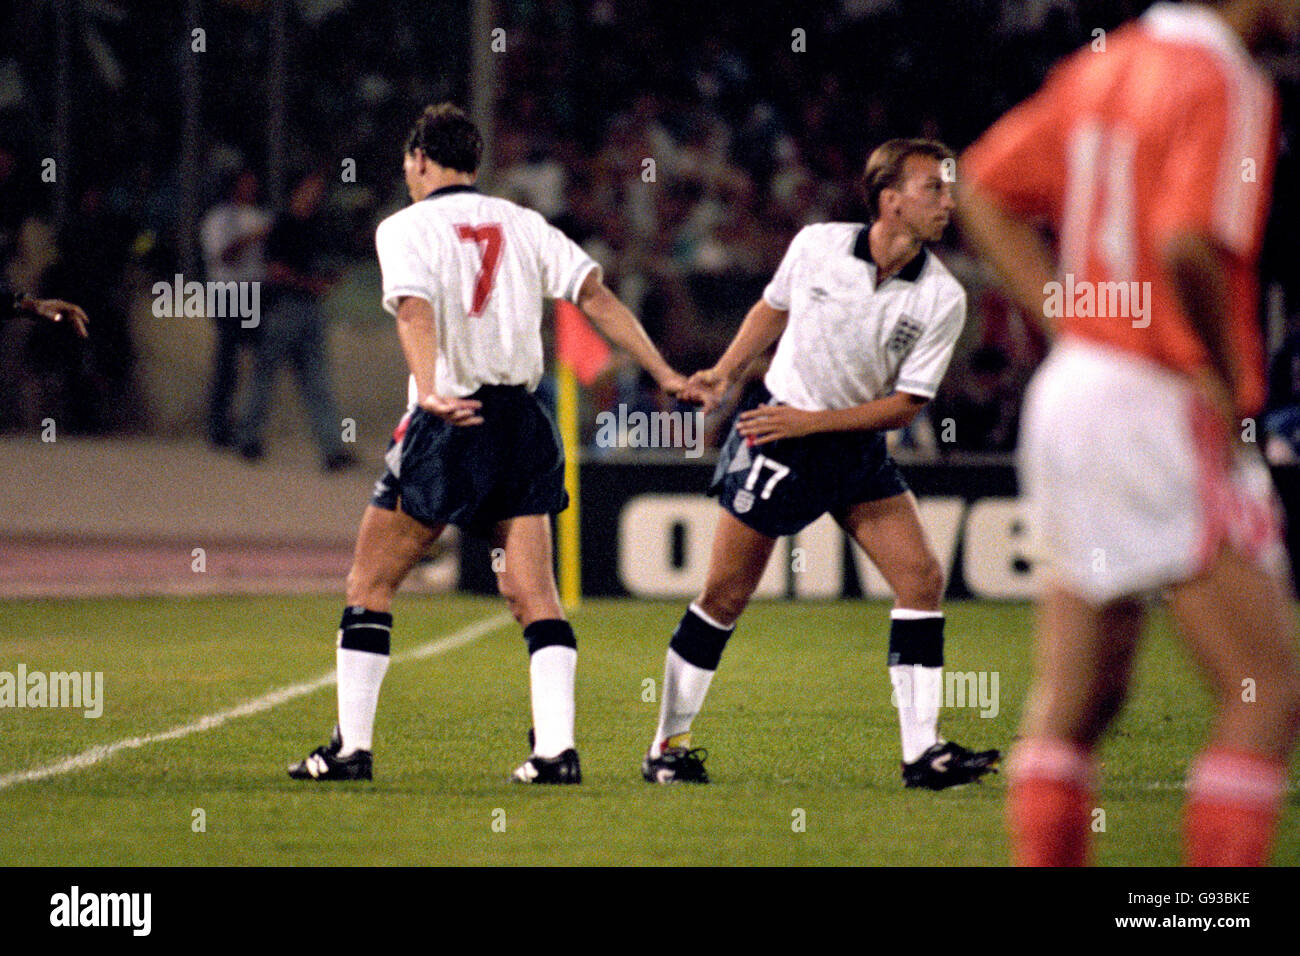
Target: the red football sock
(1233, 803)
(1048, 800)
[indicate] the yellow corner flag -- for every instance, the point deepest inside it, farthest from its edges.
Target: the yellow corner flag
(569, 522)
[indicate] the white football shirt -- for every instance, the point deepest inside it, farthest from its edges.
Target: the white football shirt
(485, 265)
(849, 341)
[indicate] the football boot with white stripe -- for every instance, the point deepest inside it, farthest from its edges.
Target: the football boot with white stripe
(947, 764)
(324, 763)
(563, 768)
(677, 762)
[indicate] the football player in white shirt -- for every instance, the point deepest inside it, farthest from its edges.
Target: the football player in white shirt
(867, 320)
(465, 275)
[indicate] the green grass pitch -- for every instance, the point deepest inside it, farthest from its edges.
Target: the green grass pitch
(802, 737)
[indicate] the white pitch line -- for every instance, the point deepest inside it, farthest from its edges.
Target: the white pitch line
(101, 752)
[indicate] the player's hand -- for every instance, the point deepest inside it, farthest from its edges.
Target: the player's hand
(673, 384)
(454, 411)
(56, 310)
(706, 388)
(772, 422)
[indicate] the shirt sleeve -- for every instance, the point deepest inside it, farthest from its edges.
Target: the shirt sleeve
(404, 270)
(1020, 159)
(777, 293)
(924, 367)
(564, 264)
(1202, 187)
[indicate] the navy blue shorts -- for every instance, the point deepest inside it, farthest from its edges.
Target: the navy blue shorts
(474, 476)
(781, 487)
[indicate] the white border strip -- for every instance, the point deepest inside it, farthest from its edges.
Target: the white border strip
(101, 752)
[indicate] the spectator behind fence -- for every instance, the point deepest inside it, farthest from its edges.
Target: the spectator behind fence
(233, 239)
(293, 327)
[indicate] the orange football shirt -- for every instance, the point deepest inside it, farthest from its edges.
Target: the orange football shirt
(1171, 128)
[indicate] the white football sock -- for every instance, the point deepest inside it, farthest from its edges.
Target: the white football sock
(918, 692)
(684, 688)
(360, 675)
(918, 695)
(551, 673)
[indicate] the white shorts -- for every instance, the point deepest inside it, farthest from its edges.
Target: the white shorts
(1119, 471)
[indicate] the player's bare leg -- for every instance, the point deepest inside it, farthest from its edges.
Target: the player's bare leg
(525, 575)
(889, 531)
(740, 554)
(1238, 624)
(1084, 660)
(526, 579)
(1083, 664)
(389, 544)
(736, 564)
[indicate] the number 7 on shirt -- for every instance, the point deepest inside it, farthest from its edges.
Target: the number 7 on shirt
(489, 237)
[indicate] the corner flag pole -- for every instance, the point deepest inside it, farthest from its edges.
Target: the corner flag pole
(569, 525)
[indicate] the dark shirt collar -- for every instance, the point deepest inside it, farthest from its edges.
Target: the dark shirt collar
(453, 188)
(910, 272)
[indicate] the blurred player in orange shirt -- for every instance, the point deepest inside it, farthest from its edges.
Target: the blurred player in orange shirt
(1151, 155)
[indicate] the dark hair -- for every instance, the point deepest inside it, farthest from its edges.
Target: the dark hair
(448, 137)
(884, 169)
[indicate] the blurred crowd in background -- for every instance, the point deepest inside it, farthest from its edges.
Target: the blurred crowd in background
(757, 117)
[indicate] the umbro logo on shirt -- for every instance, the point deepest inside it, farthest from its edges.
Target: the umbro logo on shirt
(818, 294)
